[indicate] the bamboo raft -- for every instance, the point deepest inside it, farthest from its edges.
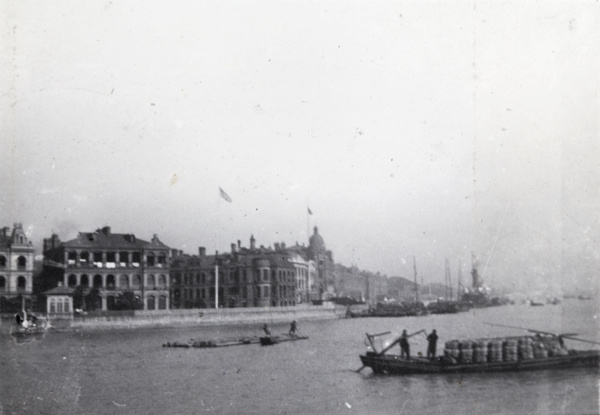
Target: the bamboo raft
(240, 341)
(203, 344)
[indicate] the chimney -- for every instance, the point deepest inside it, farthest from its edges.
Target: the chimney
(252, 243)
(276, 244)
(174, 253)
(239, 243)
(201, 252)
(233, 248)
(106, 230)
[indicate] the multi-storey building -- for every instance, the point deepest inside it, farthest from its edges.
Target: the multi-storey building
(111, 263)
(16, 264)
(247, 277)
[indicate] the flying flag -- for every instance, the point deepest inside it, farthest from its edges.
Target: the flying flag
(224, 195)
(309, 211)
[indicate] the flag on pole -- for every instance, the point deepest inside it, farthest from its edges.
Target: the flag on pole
(309, 211)
(224, 195)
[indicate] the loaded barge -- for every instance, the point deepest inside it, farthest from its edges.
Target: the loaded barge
(502, 354)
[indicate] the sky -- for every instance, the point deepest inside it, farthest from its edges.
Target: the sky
(414, 131)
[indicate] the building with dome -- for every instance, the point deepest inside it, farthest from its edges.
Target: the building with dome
(324, 281)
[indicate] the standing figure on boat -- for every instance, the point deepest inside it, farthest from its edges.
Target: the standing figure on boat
(266, 329)
(293, 329)
(432, 345)
(404, 346)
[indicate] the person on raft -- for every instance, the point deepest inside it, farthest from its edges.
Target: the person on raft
(266, 329)
(293, 329)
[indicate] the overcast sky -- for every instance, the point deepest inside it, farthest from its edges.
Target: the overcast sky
(426, 129)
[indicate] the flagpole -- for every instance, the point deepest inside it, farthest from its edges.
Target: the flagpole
(217, 251)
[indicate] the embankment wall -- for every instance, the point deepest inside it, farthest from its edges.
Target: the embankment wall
(202, 317)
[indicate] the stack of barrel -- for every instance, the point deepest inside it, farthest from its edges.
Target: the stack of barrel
(509, 350)
(452, 351)
(539, 350)
(480, 351)
(525, 348)
(495, 351)
(466, 351)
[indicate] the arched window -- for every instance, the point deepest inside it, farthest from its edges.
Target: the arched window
(53, 305)
(124, 282)
(151, 302)
(21, 262)
(137, 282)
(67, 306)
(21, 284)
(162, 282)
(97, 281)
(2, 283)
(150, 259)
(111, 282)
(72, 282)
(162, 302)
(151, 282)
(2, 261)
(84, 257)
(85, 281)
(59, 306)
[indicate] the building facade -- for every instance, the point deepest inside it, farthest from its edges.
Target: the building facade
(110, 265)
(247, 277)
(16, 264)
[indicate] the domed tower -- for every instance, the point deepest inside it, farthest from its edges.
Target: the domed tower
(316, 245)
(323, 260)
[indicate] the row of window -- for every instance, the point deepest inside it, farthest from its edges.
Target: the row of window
(125, 281)
(95, 257)
(21, 261)
(233, 277)
(21, 283)
(60, 305)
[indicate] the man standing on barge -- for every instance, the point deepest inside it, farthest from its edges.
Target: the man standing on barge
(432, 346)
(404, 346)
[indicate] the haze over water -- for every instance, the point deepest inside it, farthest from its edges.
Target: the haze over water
(112, 372)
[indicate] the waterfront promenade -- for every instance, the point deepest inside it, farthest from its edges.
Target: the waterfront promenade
(194, 317)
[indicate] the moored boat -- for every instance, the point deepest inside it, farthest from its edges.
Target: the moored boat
(501, 354)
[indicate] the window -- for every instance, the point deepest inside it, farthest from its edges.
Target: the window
(53, 305)
(2, 283)
(2, 261)
(21, 284)
(21, 262)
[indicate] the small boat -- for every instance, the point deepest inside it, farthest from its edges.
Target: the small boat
(28, 328)
(271, 340)
(204, 344)
(502, 354)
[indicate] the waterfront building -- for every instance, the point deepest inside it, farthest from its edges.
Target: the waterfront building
(325, 281)
(247, 277)
(59, 302)
(106, 266)
(16, 266)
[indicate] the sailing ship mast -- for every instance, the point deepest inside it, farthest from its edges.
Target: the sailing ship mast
(416, 286)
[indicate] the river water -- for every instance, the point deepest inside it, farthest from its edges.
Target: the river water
(113, 372)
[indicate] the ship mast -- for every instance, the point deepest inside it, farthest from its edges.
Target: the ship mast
(416, 286)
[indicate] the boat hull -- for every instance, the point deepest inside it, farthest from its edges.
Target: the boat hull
(393, 364)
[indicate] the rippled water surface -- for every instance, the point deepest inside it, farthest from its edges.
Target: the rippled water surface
(129, 372)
